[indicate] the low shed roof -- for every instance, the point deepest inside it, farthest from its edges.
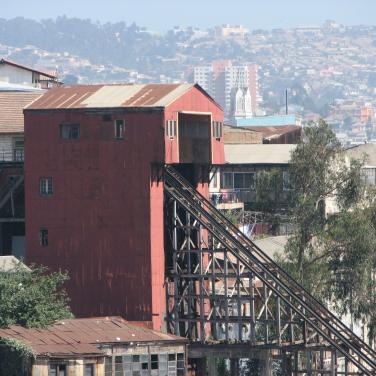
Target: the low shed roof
(259, 153)
(12, 104)
(82, 336)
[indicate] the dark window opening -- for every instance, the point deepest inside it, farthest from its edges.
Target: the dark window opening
(154, 361)
(70, 131)
(45, 186)
(119, 129)
(57, 370)
(106, 117)
(43, 237)
(89, 370)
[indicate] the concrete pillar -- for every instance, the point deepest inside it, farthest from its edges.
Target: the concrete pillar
(212, 366)
(234, 367)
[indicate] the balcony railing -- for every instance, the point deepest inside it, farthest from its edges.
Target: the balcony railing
(225, 197)
(12, 155)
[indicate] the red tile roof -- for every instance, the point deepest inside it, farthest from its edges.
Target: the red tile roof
(11, 110)
(79, 336)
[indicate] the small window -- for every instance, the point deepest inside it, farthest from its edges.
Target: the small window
(217, 129)
(57, 370)
(43, 237)
(106, 117)
(108, 366)
(70, 131)
(227, 180)
(89, 370)
(45, 186)
(171, 128)
(119, 129)
(154, 361)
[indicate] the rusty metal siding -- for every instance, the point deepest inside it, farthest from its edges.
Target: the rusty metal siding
(194, 101)
(99, 216)
(105, 218)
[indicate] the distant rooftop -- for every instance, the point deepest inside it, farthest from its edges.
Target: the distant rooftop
(259, 153)
(269, 121)
(14, 64)
(12, 104)
(10, 263)
(7, 86)
(358, 151)
(82, 336)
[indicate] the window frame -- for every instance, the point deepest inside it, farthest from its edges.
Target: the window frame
(43, 237)
(92, 366)
(46, 187)
(119, 132)
(217, 129)
(72, 128)
(171, 129)
(55, 366)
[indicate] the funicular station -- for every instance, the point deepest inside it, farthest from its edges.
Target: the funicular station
(126, 212)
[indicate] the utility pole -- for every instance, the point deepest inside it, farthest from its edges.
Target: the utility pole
(287, 106)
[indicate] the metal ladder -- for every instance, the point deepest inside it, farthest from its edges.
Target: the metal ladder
(318, 317)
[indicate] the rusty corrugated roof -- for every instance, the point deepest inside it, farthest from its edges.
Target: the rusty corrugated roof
(108, 96)
(11, 110)
(80, 336)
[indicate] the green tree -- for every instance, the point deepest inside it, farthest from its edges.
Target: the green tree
(33, 298)
(332, 254)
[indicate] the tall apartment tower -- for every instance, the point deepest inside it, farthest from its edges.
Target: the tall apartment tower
(221, 78)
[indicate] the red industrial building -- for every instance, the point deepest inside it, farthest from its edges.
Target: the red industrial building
(95, 198)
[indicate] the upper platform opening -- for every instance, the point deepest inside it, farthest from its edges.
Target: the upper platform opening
(194, 138)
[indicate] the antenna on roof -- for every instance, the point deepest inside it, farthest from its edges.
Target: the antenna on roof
(287, 106)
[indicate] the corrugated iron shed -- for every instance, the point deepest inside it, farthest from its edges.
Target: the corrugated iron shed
(11, 110)
(82, 336)
(111, 96)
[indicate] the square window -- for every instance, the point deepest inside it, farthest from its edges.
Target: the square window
(119, 129)
(43, 237)
(45, 186)
(70, 131)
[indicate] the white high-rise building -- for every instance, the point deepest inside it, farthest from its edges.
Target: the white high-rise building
(204, 76)
(221, 79)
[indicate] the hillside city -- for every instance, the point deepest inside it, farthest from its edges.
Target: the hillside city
(328, 71)
(195, 202)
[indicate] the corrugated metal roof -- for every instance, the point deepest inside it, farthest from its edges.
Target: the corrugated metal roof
(108, 96)
(11, 110)
(79, 336)
(258, 153)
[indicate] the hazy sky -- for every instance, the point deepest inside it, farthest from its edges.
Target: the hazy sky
(163, 14)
